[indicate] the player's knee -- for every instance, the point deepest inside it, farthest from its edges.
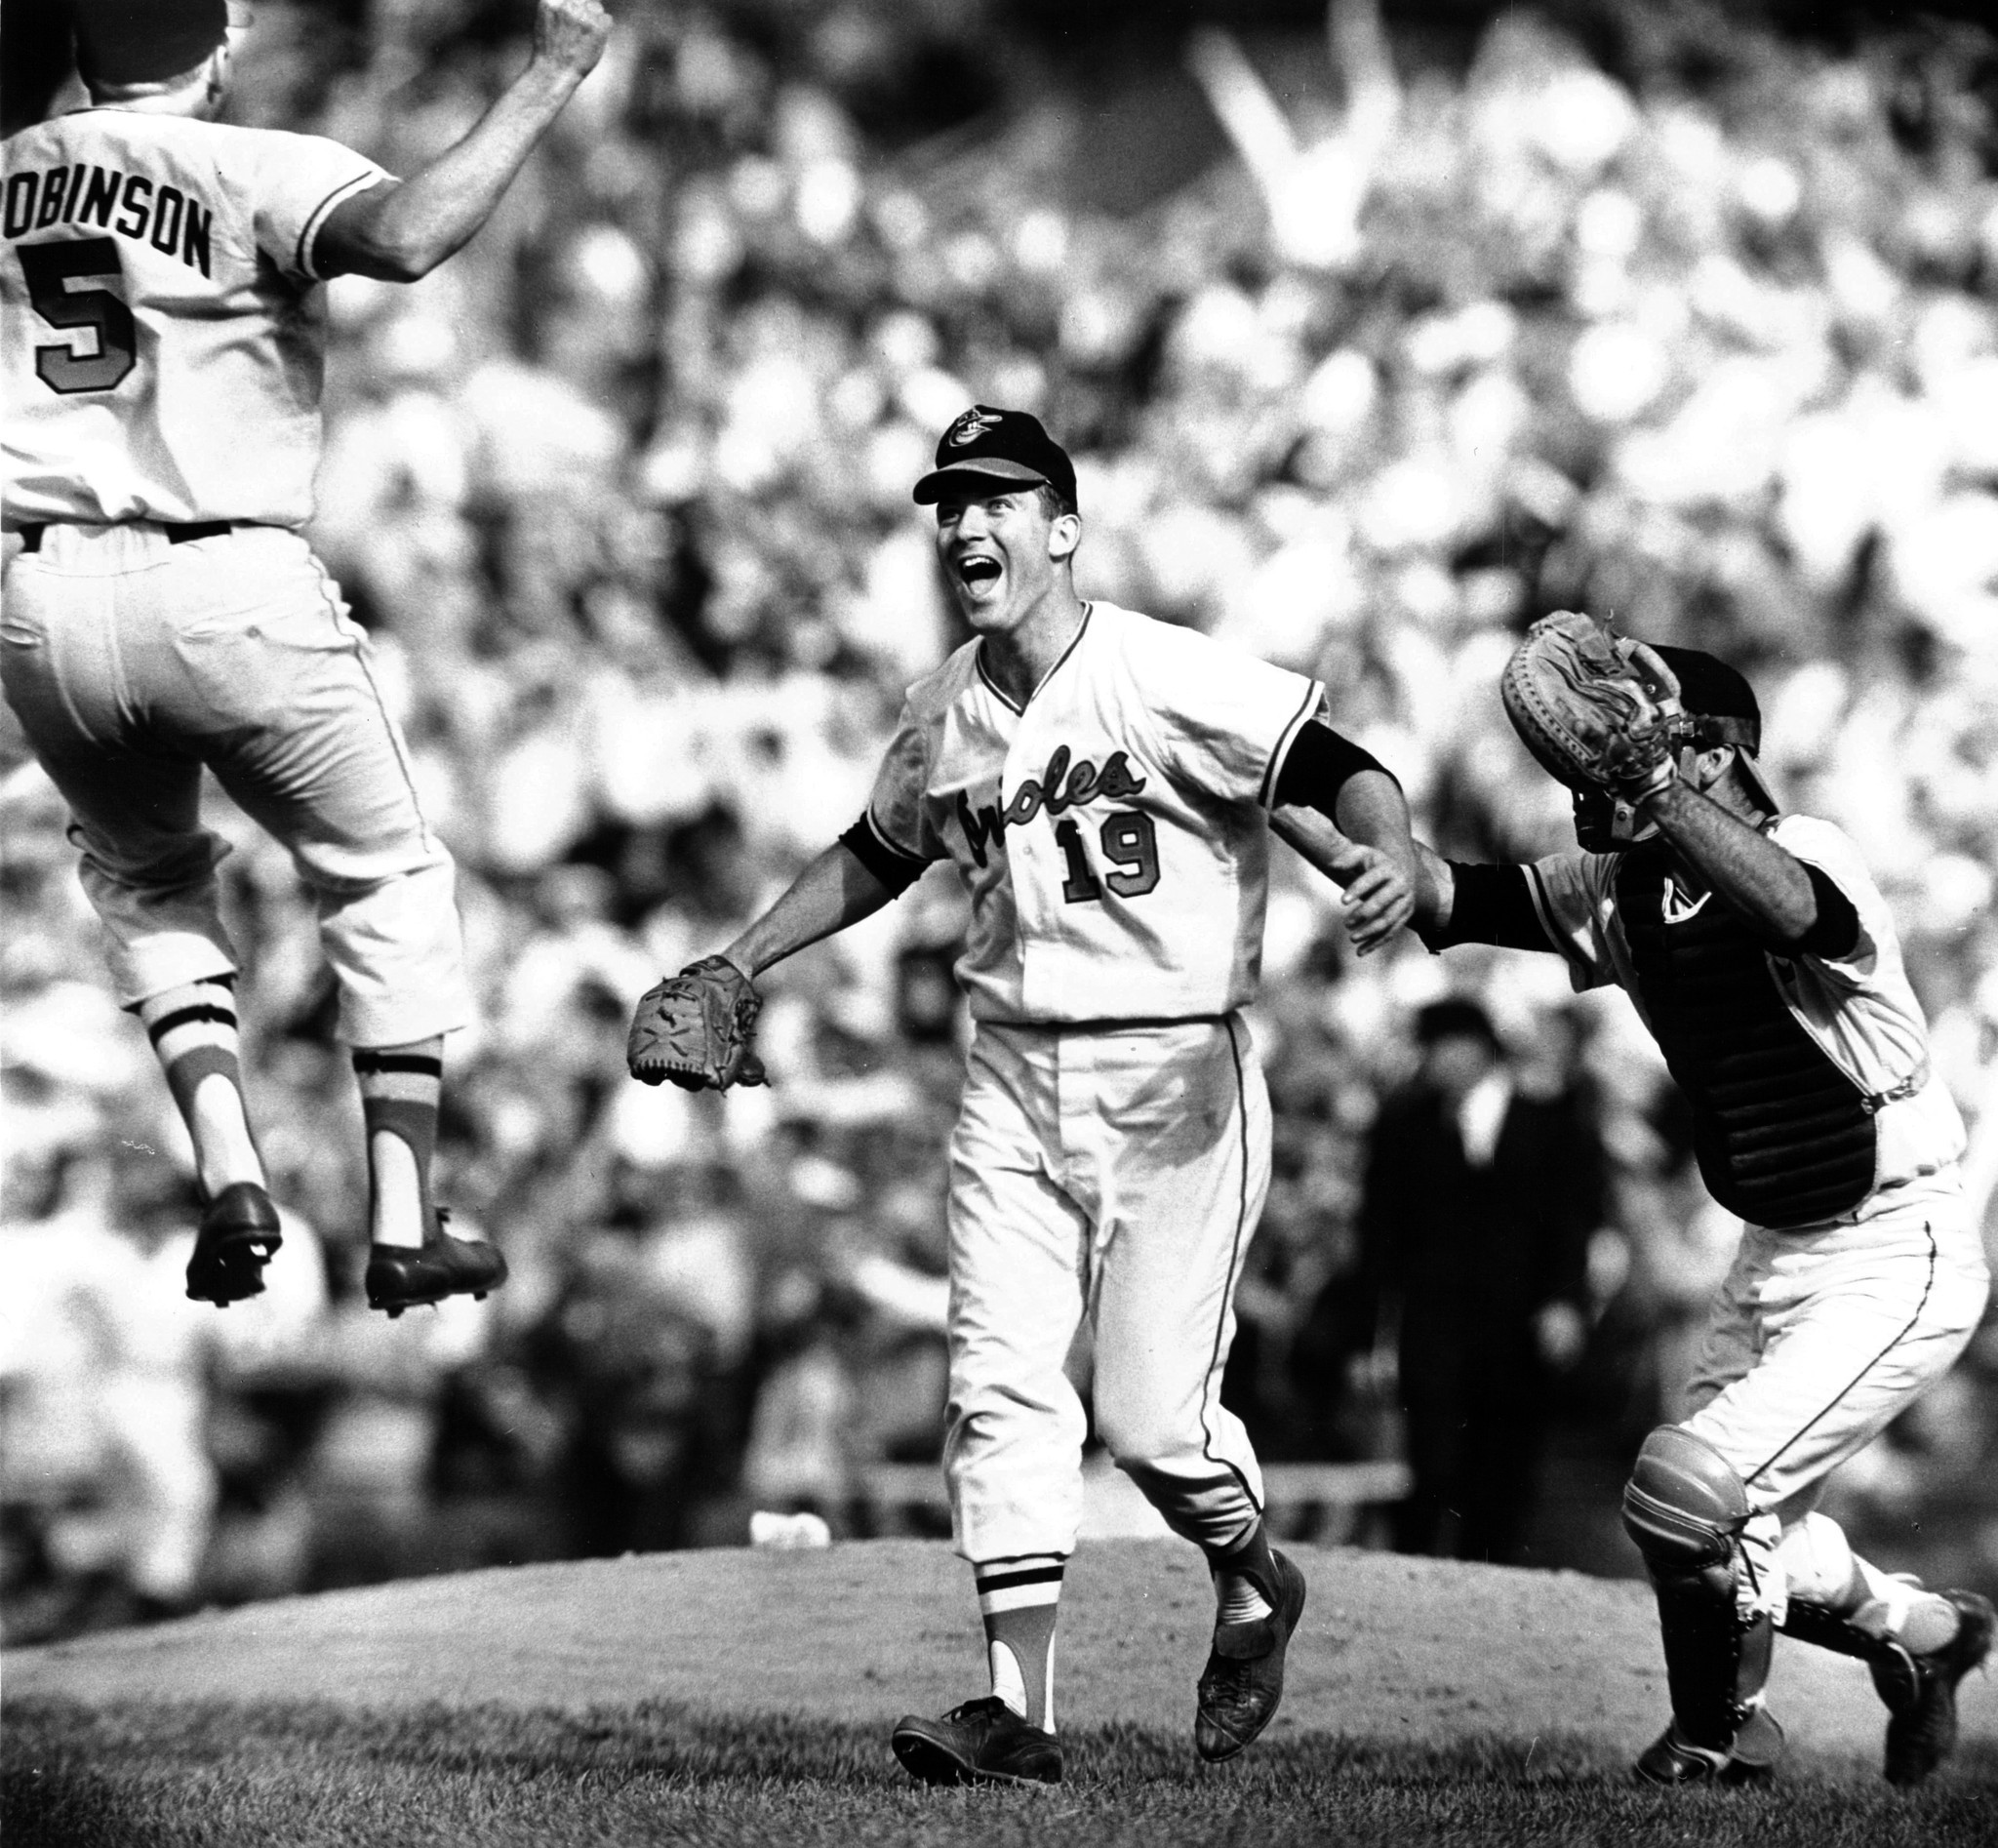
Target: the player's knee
(160, 864)
(1683, 1507)
(1818, 1562)
(1134, 1437)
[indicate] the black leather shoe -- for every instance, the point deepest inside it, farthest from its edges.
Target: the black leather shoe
(404, 1276)
(982, 1741)
(1244, 1678)
(239, 1231)
(1920, 1690)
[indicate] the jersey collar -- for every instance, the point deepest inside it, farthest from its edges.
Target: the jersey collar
(1000, 694)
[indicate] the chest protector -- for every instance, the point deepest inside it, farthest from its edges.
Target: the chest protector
(1783, 1137)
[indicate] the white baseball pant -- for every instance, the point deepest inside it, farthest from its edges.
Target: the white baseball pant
(1118, 1176)
(1821, 1339)
(130, 663)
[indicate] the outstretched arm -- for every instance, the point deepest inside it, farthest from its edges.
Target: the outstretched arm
(834, 890)
(1463, 901)
(402, 229)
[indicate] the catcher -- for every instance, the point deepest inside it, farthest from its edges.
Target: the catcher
(1764, 962)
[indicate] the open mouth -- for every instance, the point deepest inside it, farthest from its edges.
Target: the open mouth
(976, 571)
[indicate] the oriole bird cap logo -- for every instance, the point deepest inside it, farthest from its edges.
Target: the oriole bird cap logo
(992, 444)
(976, 423)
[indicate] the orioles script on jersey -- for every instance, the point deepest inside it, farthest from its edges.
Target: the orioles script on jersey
(129, 204)
(1084, 783)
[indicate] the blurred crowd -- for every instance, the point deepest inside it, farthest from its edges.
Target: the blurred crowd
(1700, 335)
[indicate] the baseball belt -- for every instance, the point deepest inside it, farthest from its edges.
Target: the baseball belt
(181, 535)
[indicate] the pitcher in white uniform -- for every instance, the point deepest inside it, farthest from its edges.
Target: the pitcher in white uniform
(1765, 962)
(164, 348)
(1104, 786)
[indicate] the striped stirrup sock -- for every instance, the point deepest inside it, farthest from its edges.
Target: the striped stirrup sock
(1019, 1599)
(401, 1088)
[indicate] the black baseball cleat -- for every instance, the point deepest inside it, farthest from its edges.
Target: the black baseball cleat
(983, 1741)
(1673, 1759)
(239, 1232)
(405, 1276)
(1920, 1690)
(1244, 1678)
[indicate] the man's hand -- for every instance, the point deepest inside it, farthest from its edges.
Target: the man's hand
(1379, 897)
(571, 33)
(1380, 893)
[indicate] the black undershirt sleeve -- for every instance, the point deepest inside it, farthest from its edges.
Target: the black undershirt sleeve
(1316, 768)
(896, 872)
(1836, 932)
(1492, 904)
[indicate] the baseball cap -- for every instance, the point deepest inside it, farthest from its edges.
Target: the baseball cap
(144, 41)
(1711, 690)
(993, 445)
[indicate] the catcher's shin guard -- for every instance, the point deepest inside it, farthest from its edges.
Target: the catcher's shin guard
(1684, 1508)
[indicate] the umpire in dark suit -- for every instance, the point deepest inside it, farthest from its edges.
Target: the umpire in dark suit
(1475, 1231)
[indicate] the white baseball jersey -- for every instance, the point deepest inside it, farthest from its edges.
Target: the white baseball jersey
(1113, 835)
(164, 331)
(1858, 1008)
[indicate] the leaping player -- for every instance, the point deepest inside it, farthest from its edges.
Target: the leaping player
(1104, 784)
(164, 344)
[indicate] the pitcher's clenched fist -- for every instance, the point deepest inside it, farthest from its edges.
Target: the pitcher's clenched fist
(571, 33)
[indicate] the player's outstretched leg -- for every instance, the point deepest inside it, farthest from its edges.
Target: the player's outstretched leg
(194, 1036)
(1262, 1597)
(1918, 1644)
(1684, 1508)
(411, 1259)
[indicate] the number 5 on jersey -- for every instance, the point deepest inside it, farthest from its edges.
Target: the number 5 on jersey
(52, 271)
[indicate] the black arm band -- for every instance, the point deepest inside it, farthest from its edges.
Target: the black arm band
(1836, 932)
(1492, 904)
(896, 872)
(1316, 768)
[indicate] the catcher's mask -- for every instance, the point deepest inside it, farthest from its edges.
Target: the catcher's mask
(1720, 708)
(1605, 826)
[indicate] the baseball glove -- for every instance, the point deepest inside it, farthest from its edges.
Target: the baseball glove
(1594, 708)
(694, 1028)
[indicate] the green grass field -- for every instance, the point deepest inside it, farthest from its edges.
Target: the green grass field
(307, 1775)
(738, 1698)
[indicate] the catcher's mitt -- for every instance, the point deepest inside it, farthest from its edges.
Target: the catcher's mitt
(694, 1028)
(1594, 708)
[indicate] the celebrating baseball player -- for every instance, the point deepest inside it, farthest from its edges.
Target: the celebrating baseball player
(1103, 783)
(165, 343)
(1764, 962)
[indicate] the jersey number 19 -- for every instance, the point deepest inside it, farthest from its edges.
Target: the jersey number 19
(1130, 842)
